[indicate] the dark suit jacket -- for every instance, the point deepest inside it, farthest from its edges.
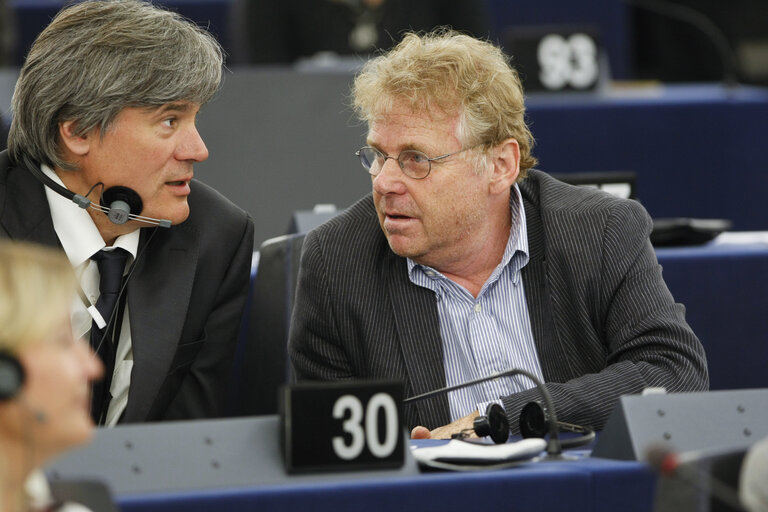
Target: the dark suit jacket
(603, 320)
(185, 297)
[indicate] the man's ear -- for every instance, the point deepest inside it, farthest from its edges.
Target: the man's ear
(73, 143)
(506, 165)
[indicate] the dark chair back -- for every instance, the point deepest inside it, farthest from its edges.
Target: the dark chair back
(261, 364)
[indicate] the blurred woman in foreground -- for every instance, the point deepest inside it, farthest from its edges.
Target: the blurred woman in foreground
(44, 373)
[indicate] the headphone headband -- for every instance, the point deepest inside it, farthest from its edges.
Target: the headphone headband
(120, 204)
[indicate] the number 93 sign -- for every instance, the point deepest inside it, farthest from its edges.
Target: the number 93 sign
(556, 60)
(346, 425)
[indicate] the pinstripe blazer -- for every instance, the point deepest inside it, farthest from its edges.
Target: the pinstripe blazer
(604, 322)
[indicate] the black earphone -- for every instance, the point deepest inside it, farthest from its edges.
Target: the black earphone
(535, 422)
(495, 418)
(494, 424)
(11, 375)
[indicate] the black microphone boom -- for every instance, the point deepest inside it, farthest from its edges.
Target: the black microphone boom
(697, 19)
(554, 450)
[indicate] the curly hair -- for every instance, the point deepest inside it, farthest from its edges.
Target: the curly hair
(456, 74)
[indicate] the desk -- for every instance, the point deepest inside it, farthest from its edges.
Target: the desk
(586, 485)
(725, 290)
(698, 151)
(168, 467)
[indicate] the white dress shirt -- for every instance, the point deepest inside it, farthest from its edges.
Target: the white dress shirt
(81, 239)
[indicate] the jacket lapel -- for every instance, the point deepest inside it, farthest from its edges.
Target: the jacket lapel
(418, 331)
(25, 211)
(158, 295)
(535, 281)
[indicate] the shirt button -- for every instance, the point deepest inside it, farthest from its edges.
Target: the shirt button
(430, 273)
(478, 308)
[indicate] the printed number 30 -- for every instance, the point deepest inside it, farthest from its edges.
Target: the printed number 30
(369, 435)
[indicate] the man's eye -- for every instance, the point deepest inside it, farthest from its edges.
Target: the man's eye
(170, 122)
(415, 157)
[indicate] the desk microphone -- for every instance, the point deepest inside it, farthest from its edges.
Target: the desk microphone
(682, 465)
(700, 21)
(554, 449)
(120, 204)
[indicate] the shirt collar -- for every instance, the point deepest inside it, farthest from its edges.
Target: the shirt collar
(518, 235)
(76, 230)
(517, 241)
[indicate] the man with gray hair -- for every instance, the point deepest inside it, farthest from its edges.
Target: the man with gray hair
(465, 261)
(100, 163)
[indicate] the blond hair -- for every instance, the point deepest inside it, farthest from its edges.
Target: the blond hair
(37, 286)
(453, 73)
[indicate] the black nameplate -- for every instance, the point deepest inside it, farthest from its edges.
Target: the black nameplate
(348, 425)
(556, 58)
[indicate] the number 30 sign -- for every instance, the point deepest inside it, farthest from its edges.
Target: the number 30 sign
(342, 426)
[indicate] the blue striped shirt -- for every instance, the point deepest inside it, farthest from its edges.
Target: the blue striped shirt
(487, 334)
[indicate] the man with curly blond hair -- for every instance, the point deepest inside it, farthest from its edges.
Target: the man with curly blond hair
(466, 261)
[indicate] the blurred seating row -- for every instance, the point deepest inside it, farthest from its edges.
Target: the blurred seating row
(31, 16)
(669, 40)
(224, 19)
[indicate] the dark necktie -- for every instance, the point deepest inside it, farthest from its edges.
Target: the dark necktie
(111, 265)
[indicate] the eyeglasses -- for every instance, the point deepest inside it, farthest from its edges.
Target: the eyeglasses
(414, 164)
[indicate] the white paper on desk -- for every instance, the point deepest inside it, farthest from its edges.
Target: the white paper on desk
(742, 238)
(467, 452)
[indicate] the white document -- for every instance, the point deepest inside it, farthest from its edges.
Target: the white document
(457, 451)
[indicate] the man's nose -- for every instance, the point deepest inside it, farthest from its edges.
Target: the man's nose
(390, 179)
(192, 148)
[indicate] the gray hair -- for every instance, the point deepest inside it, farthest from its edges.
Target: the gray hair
(97, 58)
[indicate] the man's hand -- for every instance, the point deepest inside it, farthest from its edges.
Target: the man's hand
(446, 431)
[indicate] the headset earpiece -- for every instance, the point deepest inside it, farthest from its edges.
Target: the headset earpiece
(494, 424)
(534, 422)
(11, 376)
(122, 202)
